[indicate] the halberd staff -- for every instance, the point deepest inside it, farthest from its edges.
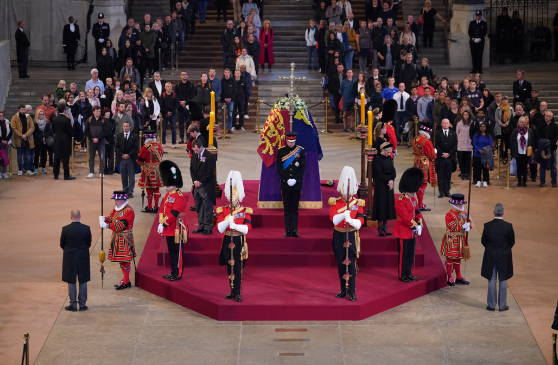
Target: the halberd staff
(234, 222)
(122, 249)
(347, 215)
(171, 225)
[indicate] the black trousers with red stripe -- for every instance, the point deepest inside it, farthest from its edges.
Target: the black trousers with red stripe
(175, 256)
(340, 255)
(406, 254)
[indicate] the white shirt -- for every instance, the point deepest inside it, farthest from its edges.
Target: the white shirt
(446, 131)
(397, 97)
(126, 135)
(159, 87)
(72, 27)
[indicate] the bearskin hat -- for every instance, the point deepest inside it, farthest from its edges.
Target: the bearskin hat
(389, 111)
(195, 109)
(411, 180)
(170, 174)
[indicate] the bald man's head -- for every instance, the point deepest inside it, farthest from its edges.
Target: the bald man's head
(75, 215)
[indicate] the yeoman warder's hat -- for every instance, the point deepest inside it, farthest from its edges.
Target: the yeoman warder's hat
(119, 195)
(457, 199)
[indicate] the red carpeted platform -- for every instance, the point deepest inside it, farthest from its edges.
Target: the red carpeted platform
(288, 279)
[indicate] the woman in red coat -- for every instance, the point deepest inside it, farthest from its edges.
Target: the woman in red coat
(266, 41)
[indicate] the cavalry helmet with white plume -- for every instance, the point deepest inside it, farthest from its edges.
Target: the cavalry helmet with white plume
(348, 173)
(237, 186)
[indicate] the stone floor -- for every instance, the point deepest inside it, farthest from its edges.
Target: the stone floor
(449, 326)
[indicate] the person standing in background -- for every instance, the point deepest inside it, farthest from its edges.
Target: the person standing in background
(22, 49)
(70, 42)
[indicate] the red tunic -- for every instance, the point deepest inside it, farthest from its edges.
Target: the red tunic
(242, 215)
(173, 206)
(149, 158)
(424, 158)
(408, 216)
(454, 239)
(338, 205)
(392, 136)
(121, 222)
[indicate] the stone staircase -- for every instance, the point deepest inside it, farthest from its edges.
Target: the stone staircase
(548, 90)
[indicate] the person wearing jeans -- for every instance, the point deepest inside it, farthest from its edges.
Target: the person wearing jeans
(311, 44)
(96, 131)
(23, 127)
(169, 104)
(228, 94)
(202, 10)
(5, 137)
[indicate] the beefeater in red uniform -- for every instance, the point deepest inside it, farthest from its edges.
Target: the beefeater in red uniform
(409, 221)
(235, 226)
(171, 223)
(425, 154)
(346, 250)
(455, 239)
(122, 249)
(149, 158)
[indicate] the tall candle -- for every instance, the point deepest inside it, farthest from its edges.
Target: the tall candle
(211, 126)
(370, 134)
(213, 101)
(362, 109)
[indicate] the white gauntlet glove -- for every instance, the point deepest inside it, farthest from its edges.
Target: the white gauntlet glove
(231, 220)
(347, 215)
(233, 226)
(467, 227)
(101, 220)
(160, 228)
(419, 230)
(291, 182)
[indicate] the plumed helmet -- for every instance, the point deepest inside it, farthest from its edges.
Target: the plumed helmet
(195, 109)
(348, 177)
(170, 174)
(389, 111)
(411, 180)
(237, 186)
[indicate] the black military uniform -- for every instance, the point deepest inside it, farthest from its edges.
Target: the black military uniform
(477, 30)
(291, 162)
(101, 32)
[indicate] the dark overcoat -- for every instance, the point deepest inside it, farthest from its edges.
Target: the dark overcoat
(63, 131)
(75, 240)
(498, 239)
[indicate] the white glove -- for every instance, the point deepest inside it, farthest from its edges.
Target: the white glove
(231, 220)
(435, 150)
(101, 220)
(101, 40)
(395, 153)
(477, 40)
(467, 227)
(347, 215)
(291, 182)
(103, 225)
(355, 223)
(160, 228)
(233, 226)
(419, 230)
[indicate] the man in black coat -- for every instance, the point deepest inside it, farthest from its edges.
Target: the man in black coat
(70, 41)
(333, 87)
(127, 148)
(63, 131)
(202, 171)
(185, 92)
(446, 145)
(291, 162)
(498, 239)
(157, 86)
(521, 88)
(22, 49)
(477, 32)
(549, 130)
(75, 240)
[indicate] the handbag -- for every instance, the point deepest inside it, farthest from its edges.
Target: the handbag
(529, 151)
(513, 167)
(50, 141)
(4, 158)
(420, 20)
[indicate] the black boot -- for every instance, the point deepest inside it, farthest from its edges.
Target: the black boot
(555, 324)
(230, 296)
(381, 229)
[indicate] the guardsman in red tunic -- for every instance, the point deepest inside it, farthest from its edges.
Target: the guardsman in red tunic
(149, 158)
(234, 226)
(455, 239)
(425, 154)
(346, 246)
(409, 221)
(122, 249)
(171, 223)
(388, 116)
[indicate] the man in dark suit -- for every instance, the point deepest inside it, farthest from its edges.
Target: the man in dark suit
(333, 87)
(127, 148)
(446, 144)
(70, 41)
(291, 162)
(75, 240)
(498, 239)
(157, 86)
(63, 131)
(22, 49)
(521, 88)
(477, 32)
(202, 171)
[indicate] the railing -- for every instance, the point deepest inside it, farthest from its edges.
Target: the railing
(448, 16)
(511, 36)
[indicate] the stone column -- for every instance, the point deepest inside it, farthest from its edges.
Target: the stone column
(463, 14)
